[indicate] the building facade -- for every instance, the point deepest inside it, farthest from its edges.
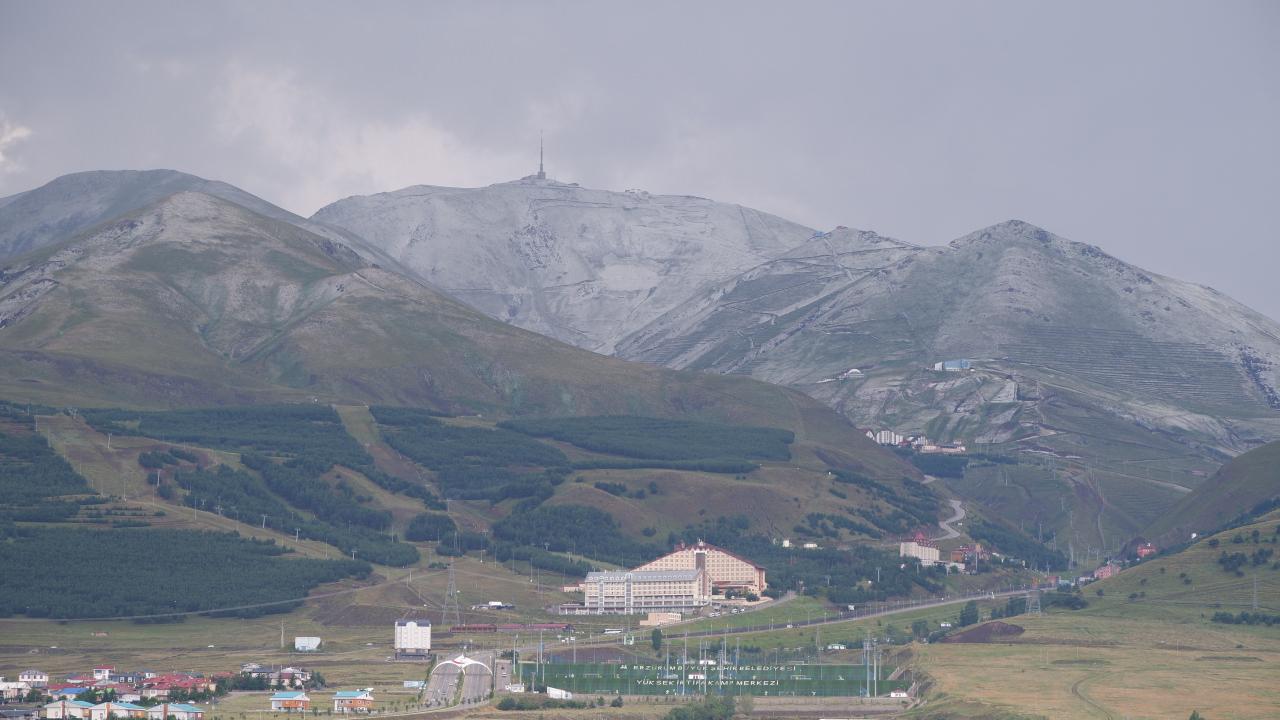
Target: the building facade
(413, 638)
(644, 591)
(926, 553)
(723, 570)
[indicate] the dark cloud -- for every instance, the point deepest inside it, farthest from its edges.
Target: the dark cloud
(1145, 128)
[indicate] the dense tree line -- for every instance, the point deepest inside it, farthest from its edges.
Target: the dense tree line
(430, 527)
(726, 467)
(311, 432)
(661, 439)
(240, 495)
(1018, 544)
(1246, 618)
(574, 528)
(540, 558)
(916, 505)
(156, 459)
(476, 463)
(72, 572)
(300, 482)
(30, 471)
(36, 484)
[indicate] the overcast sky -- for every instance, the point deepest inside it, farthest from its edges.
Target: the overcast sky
(1151, 129)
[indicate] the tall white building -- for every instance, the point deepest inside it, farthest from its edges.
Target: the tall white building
(644, 591)
(413, 638)
(926, 553)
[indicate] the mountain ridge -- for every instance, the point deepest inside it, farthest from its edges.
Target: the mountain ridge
(195, 301)
(578, 264)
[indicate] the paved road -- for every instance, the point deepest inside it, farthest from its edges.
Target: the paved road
(478, 681)
(949, 532)
(442, 686)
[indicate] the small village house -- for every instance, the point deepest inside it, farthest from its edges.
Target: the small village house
(34, 678)
(290, 701)
(59, 709)
(116, 709)
(352, 701)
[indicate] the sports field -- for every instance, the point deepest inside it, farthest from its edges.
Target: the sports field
(694, 678)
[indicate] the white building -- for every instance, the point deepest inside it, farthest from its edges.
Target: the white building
(13, 690)
(644, 591)
(306, 644)
(926, 553)
(724, 570)
(413, 637)
(34, 678)
(886, 437)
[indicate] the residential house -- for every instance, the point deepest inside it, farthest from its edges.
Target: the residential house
(115, 709)
(103, 672)
(175, 711)
(290, 701)
(34, 678)
(352, 701)
(59, 709)
(13, 689)
(65, 692)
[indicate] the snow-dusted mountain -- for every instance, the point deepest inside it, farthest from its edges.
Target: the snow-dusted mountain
(77, 203)
(1033, 311)
(584, 266)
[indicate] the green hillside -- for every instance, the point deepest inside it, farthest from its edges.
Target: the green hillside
(1238, 486)
(1217, 574)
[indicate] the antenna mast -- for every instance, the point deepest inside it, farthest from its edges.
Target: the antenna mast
(542, 174)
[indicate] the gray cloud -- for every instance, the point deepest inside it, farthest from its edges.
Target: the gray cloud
(1147, 128)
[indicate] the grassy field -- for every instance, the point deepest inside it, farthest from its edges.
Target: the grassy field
(1088, 666)
(1144, 648)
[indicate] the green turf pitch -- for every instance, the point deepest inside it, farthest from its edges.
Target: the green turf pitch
(693, 679)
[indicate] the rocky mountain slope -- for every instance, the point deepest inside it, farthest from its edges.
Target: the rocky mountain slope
(583, 266)
(194, 300)
(1118, 389)
(1035, 313)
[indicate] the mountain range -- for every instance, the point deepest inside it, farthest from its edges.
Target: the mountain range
(1104, 392)
(191, 298)
(1116, 389)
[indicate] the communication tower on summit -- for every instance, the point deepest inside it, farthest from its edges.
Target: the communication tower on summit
(542, 174)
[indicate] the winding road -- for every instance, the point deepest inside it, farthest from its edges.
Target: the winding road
(949, 532)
